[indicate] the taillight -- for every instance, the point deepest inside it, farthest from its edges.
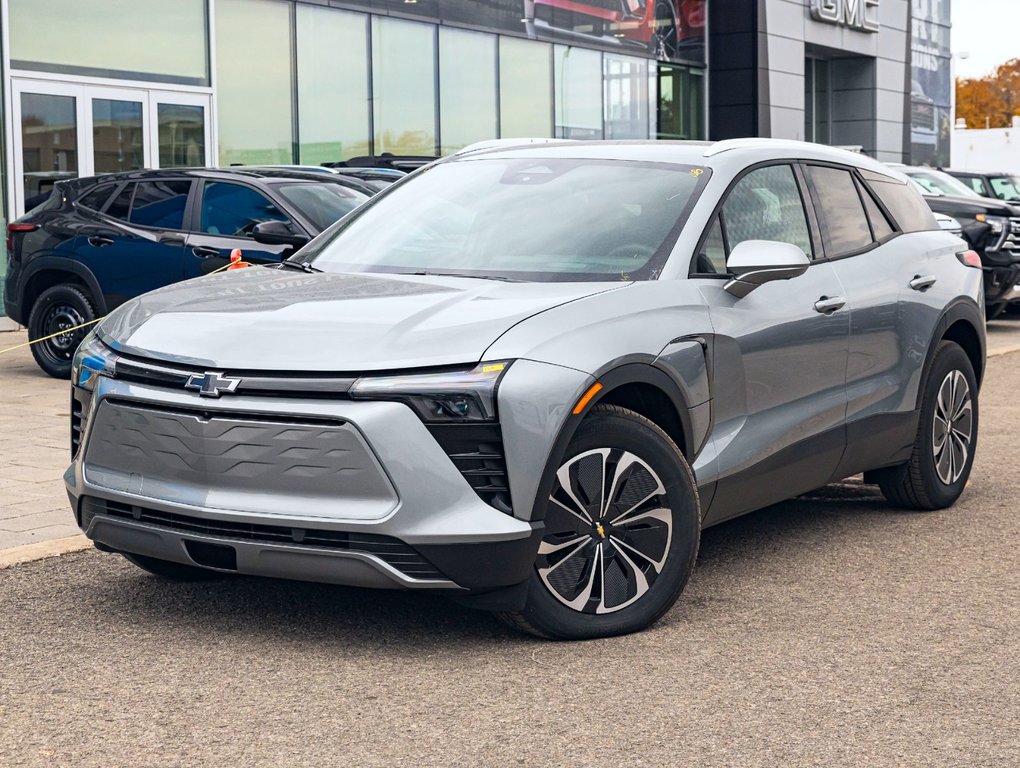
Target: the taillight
(16, 227)
(969, 259)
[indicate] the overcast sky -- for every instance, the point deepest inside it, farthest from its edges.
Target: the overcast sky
(988, 30)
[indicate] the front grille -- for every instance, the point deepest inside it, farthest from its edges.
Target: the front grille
(392, 551)
(1012, 239)
(477, 451)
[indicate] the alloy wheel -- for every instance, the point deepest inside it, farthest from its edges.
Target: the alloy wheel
(608, 531)
(666, 34)
(952, 427)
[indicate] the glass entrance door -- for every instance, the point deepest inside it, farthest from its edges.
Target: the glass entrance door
(67, 130)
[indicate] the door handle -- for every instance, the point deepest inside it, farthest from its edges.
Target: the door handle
(204, 252)
(99, 241)
(829, 304)
(171, 239)
(922, 282)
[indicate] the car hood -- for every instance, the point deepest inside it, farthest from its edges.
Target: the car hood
(282, 320)
(973, 205)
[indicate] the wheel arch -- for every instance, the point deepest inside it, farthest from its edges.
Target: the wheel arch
(46, 272)
(963, 323)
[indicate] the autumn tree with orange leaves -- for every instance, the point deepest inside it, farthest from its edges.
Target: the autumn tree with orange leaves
(990, 101)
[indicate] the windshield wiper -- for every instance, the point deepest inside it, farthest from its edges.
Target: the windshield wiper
(304, 266)
(430, 273)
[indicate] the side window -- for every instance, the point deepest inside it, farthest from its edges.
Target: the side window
(841, 216)
(975, 183)
(96, 199)
(234, 210)
(766, 205)
(907, 207)
(880, 226)
(712, 257)
(121, 204)
(160, 203)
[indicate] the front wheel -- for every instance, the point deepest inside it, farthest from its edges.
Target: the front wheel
(622, 527)
(943, 452)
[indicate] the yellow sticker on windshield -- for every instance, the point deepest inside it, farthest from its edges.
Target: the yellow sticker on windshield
(697, 172)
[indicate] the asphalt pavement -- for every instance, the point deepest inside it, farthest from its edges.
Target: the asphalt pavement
(826, 631)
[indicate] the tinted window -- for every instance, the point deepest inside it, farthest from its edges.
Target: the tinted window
(160, 204)
(121, 203)
(841, 215)
(766, 205)
(97, 198)
(907, 207)
(880, 226)
(233, 209)
(322, 204)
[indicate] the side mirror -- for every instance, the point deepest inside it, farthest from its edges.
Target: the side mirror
(756, 262)
(277, 233)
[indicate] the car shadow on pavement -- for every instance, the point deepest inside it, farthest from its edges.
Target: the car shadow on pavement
(301, 614)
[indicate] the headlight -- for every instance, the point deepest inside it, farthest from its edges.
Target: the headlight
(453, 396)
(997, 223)
(92, 359)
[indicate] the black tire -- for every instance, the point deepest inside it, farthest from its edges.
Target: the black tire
(665, 42)
(58, 307)
(921, 483)
(171, 571)
(658, 536)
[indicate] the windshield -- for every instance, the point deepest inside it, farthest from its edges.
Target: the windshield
(1006, 187)
(545, 219)
(321, 203)
(936, 181)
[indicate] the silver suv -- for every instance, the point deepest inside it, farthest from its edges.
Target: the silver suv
(527, 377)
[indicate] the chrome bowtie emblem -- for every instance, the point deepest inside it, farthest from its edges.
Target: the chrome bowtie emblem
(211, 384)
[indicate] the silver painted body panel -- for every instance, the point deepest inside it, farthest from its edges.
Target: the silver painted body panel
(761, 378)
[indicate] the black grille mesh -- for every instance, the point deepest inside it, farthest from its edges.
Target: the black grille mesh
(477, 451)
(392, 551)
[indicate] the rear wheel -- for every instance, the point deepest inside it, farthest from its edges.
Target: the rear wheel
(622, 527)
(58, 312)
(666, 35)
(943, 452)
(171, 571)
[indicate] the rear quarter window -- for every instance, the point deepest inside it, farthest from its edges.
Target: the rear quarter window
(907, 207)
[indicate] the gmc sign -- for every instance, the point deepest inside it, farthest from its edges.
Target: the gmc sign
(861, 15)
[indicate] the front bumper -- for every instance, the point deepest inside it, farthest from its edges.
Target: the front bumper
(1001, 284)
(354, 493)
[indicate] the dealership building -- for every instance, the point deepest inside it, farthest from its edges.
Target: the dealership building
(115, 85)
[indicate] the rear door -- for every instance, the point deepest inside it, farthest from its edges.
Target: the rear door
(779, 354)
(135, 242)
(226, 214)
(897, 289)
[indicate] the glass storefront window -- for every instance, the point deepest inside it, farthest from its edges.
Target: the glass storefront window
(117, 140)
(626, 97)
(49, 143)
(404, 85)
(577, 82)
(332, 66)
(253, 82)
(166, 42)
(525, 88)
(467, 88)
(181, 130)
(681, 103)
(817, 96)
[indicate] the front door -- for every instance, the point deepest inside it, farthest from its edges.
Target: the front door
(779, 355)
(66, 130)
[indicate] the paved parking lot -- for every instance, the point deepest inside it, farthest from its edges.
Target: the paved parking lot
(829, 630)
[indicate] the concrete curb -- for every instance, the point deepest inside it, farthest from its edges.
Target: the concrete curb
(43, 549)
(1006, 351)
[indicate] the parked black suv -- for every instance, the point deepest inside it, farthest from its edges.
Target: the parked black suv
(990, 226)
(99, 241)
(1004, 186)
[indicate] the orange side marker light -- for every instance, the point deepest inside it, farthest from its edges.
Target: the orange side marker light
(593, 390)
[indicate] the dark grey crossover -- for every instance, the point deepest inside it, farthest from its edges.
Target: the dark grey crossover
(528, 377)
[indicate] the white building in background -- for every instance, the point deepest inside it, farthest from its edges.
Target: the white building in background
(987, 149)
